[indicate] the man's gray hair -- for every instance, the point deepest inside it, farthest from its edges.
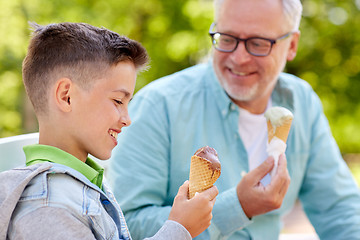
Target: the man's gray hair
(292, 11)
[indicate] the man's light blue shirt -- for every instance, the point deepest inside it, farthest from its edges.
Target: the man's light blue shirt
(174, 116)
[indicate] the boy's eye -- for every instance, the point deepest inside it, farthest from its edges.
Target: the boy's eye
(118, 102)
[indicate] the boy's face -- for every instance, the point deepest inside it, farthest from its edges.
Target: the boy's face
(101, 112)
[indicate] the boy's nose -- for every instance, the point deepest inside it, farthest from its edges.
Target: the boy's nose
(125, 120)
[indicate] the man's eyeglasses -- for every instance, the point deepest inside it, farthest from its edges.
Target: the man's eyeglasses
(256, 46)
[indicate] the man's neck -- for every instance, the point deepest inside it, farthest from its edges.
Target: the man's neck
(255, 107)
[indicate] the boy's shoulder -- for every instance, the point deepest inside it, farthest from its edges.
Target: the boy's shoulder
(47, 187)
(18, 178)
(12, 185)
(39, 181)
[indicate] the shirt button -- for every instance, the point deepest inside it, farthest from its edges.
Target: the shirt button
(243, 173)
(233, 107)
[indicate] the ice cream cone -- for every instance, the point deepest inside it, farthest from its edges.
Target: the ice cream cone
(202, 175)
(279, 121)
(280, 132)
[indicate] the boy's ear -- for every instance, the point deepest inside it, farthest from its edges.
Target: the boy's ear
(63, 90)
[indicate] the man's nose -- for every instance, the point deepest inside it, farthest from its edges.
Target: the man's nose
(240, 55)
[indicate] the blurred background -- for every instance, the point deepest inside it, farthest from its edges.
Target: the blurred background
(175, 35)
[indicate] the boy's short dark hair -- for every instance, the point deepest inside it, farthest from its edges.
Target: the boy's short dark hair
(78, 51)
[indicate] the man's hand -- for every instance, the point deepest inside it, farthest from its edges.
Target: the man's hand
(256, 199)
(194, 214)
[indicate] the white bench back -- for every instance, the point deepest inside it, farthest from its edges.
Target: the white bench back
(12, 154)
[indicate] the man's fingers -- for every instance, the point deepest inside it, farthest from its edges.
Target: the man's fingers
(260, 172)
(282, 161)
(281, 180)
(283, 189)
(284, 174)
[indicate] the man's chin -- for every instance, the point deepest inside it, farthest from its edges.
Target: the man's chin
(242, 95)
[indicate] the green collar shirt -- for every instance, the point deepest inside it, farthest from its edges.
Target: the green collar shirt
(38, 153)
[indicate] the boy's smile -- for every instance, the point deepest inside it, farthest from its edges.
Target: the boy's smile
(114, 134)
(98, 114)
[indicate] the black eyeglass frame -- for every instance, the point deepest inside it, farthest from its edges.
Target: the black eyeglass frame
(272, 41)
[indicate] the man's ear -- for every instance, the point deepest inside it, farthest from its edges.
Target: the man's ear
(293, 46)
(63, 91)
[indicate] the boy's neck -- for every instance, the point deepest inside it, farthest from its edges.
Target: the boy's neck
(59, 139)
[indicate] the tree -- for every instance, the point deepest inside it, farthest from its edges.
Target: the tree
(175, 35)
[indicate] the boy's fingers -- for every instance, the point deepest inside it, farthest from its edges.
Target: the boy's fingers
(211, 193)
(213, 201)
(183, 190)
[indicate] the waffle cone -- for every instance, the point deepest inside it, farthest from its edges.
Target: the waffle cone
(202, 176)
(280, 132)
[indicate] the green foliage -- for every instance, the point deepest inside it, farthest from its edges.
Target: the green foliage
(175, 35)
(329, 59)
(353, 161)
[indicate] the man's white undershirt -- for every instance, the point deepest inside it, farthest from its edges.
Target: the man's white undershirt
(253, 132)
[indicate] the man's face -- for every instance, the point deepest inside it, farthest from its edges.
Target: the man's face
(247, 79)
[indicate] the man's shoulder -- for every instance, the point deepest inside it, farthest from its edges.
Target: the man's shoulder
(188, 80)
(188, 74)
(298, 87)
(297, 94)
(291, 80)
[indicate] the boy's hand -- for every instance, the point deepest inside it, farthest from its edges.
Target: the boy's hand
(194, 214)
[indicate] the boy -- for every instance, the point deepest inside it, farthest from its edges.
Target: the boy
(80, 80)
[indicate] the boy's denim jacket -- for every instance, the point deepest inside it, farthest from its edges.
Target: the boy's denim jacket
(83, 211)
(31, 197)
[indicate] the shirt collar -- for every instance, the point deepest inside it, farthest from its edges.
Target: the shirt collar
(283, 93)
(38, 153)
